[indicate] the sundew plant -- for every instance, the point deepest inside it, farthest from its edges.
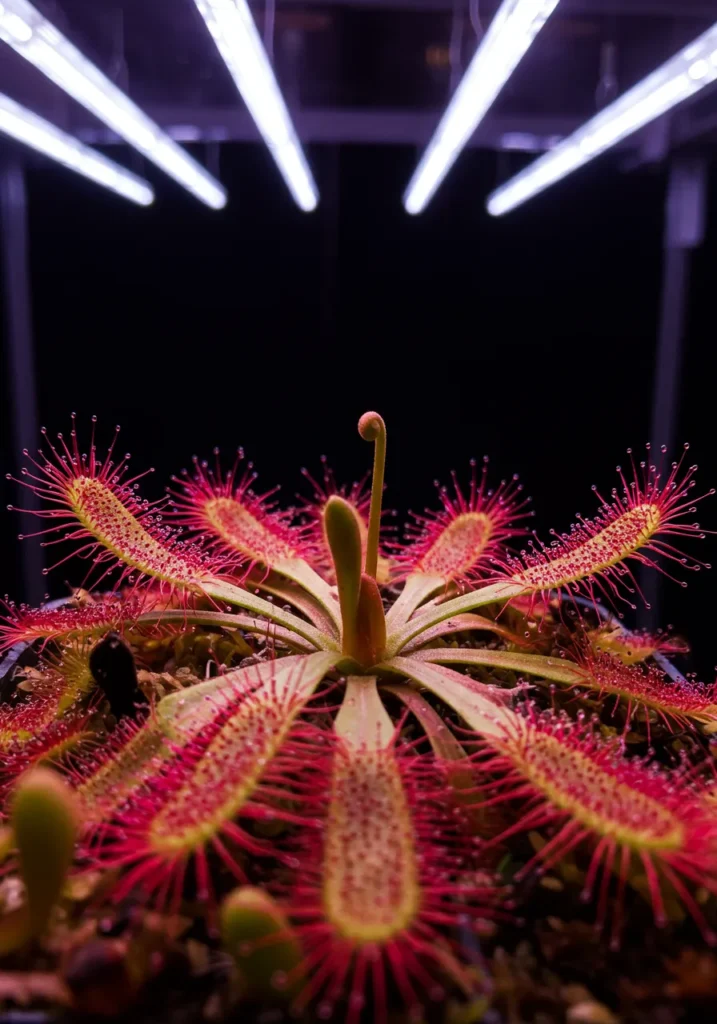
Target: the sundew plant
(333, 770)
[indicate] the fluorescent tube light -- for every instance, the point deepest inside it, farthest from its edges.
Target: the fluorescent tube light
(679, 78)
(512, 30)
(32, 36)
(232, 27)
(20, 123)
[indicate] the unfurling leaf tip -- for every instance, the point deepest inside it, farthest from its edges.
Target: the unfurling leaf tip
(257, 934)
(45, 821)
(371, 426)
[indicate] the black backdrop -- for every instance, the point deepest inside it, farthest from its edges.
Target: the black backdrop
(530, 338)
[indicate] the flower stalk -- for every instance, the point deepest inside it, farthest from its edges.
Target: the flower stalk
(372, 428)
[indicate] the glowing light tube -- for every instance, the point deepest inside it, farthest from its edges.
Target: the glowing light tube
(20, 123)
(232, 27)
(512, 30)
(32, 36)
(679, 78)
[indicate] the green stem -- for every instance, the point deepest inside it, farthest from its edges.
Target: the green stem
(474, 702)
(418, 588)
(363, 722)
(243, 599)
(226, 620)
(372, 428)
(460, 771)
(443, 742)
(301, 573)
(466, 623)
(533, 664)
(184, 714)
(502, 591)
(292, 593)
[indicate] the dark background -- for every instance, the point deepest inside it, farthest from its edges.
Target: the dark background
(530, 338)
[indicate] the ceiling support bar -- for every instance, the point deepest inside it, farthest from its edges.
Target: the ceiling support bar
(685, 213)
(20, 358)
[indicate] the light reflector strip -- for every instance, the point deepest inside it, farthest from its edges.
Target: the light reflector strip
(32, 36)
(232, 27)
(20, 123)
(679, 78)
(512, 30)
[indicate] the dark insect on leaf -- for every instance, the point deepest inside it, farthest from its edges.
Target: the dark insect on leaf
(113, 669)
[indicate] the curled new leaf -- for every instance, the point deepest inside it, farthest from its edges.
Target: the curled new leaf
(257, 933)
(45, 825)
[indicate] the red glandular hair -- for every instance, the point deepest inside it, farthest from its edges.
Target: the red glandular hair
(55, 739)
(25, 624)
(94, 503)
(637, 645)
(461, 541)
(238, 524)
(386, 893)
(637, 523)
(107, 777)
(252, 762)
(680, 702)
(625, 813)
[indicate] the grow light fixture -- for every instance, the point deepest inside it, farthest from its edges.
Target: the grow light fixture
(232, 27)
(20, 123)
(38, 41)
(512, 30)
(682, 76)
